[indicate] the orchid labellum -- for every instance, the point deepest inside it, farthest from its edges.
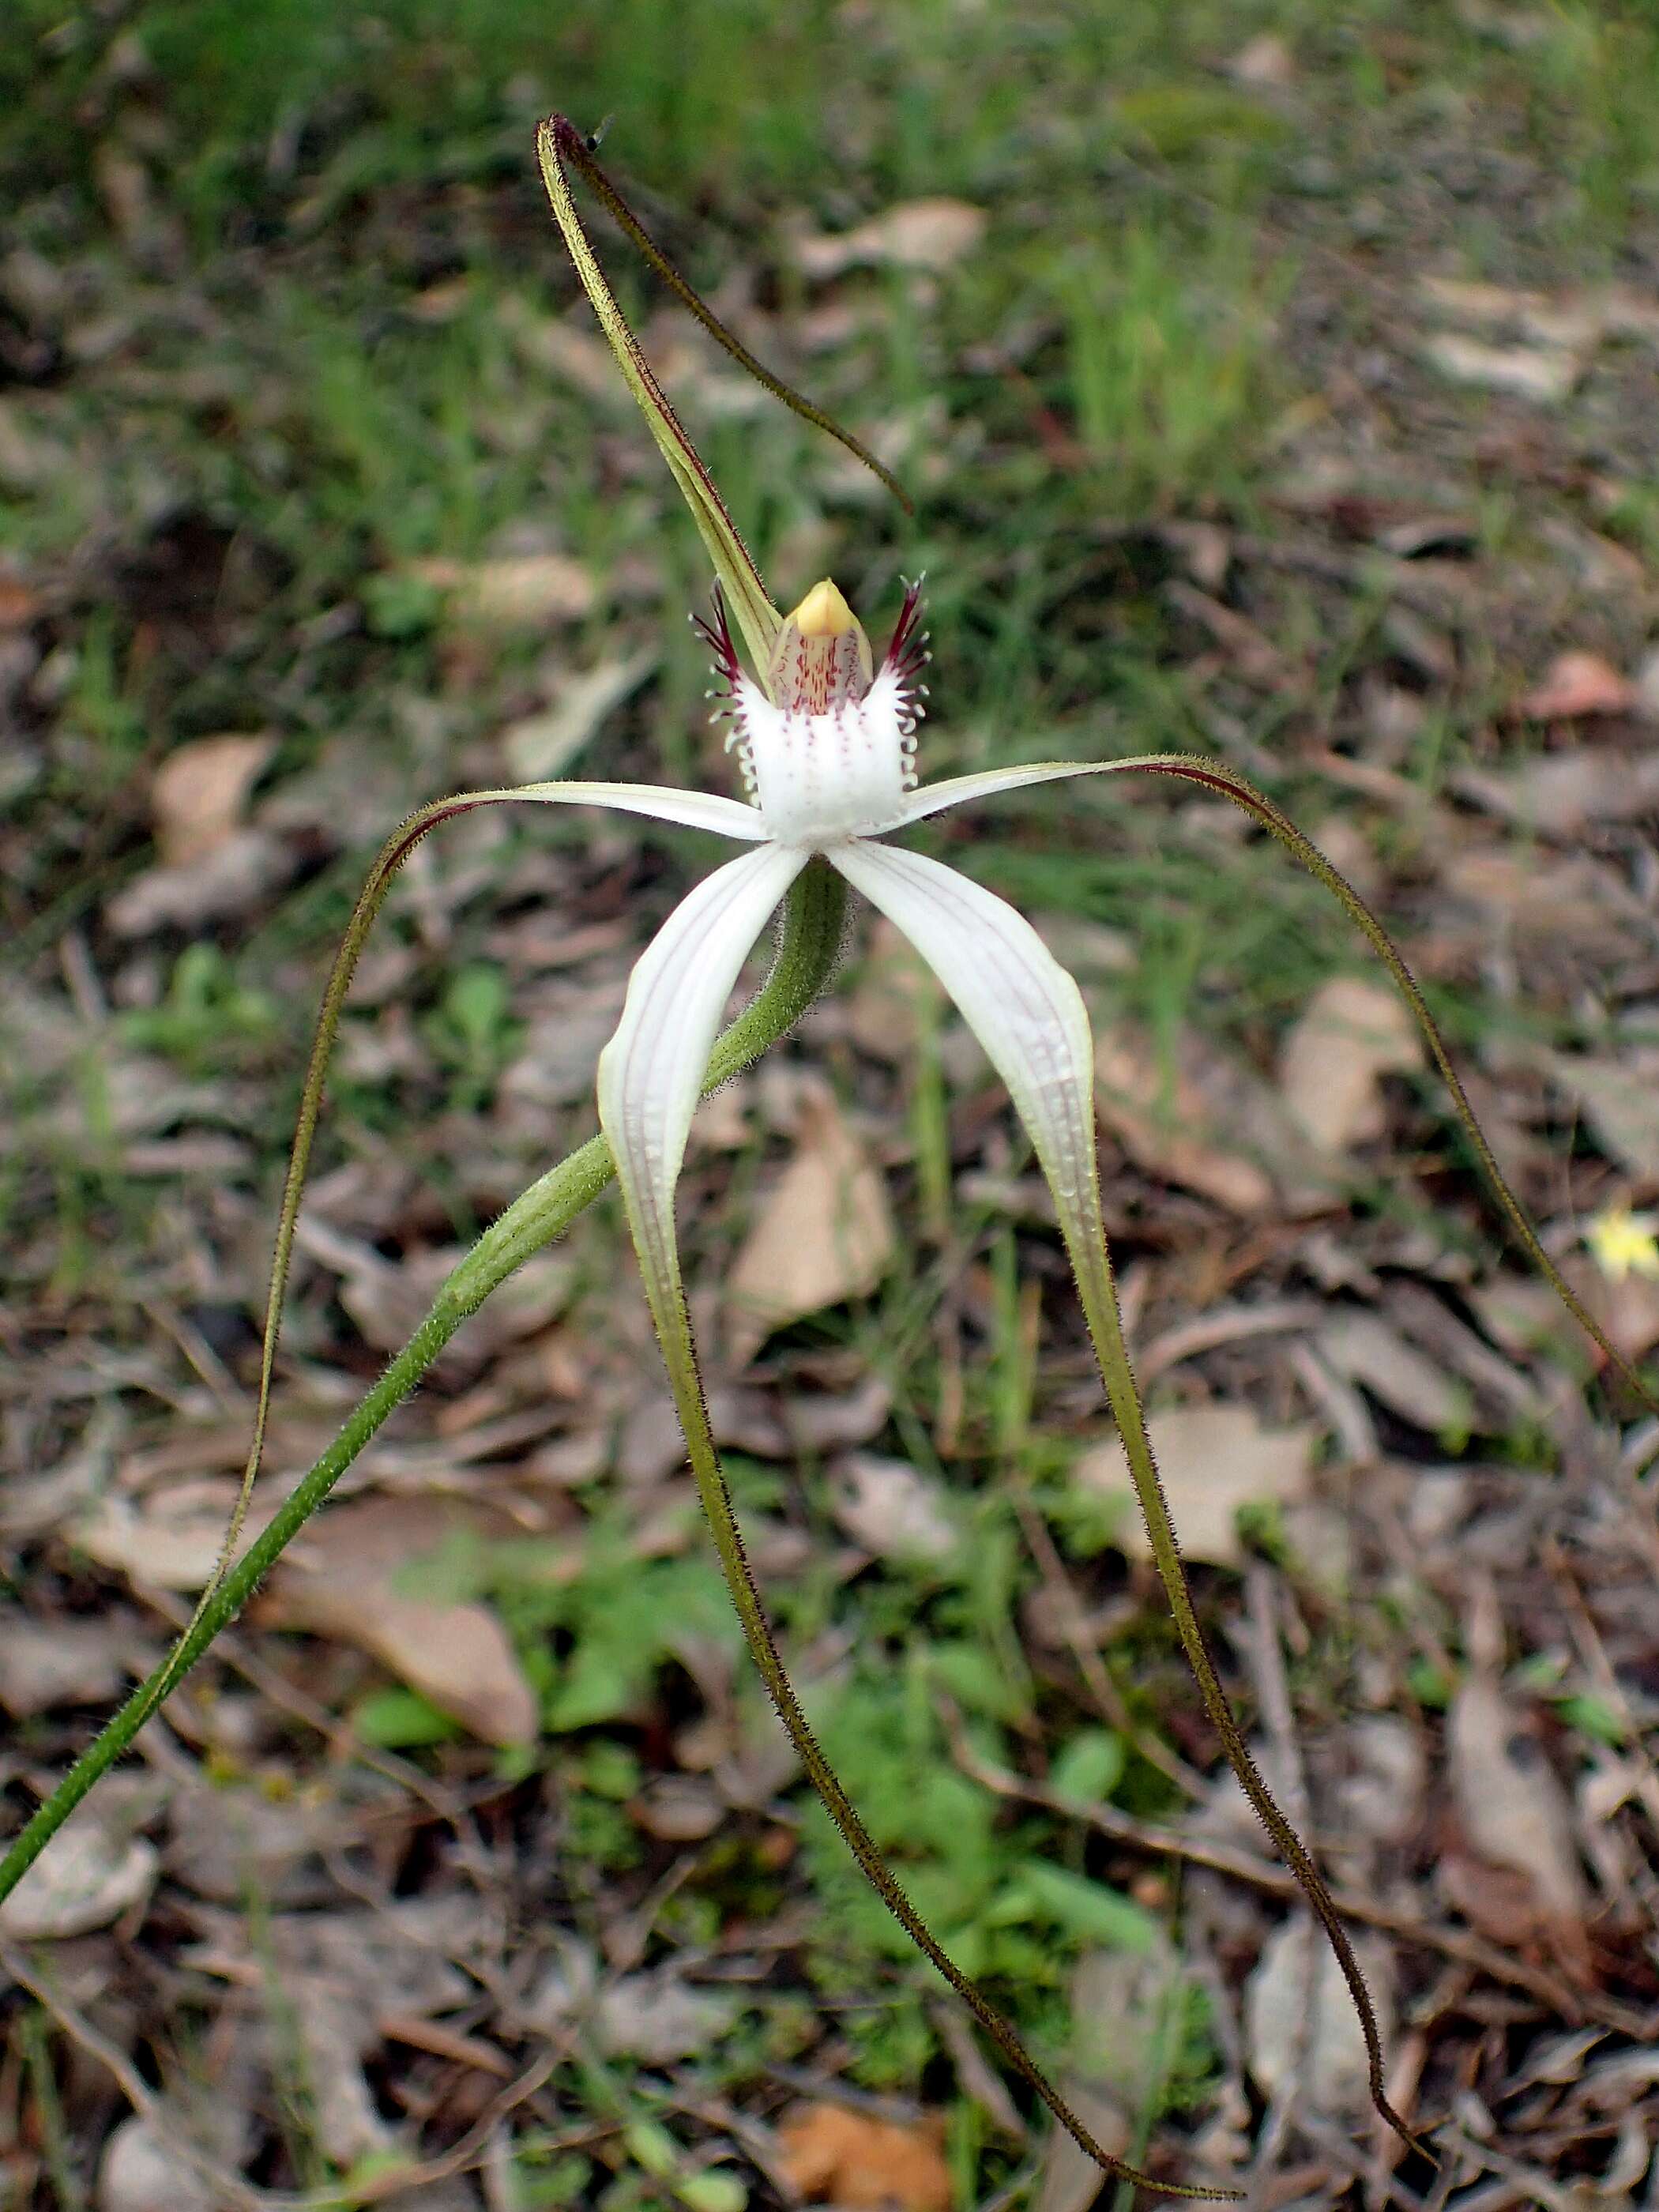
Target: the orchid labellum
(824, 740)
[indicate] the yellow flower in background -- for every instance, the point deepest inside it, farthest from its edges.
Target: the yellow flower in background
(1625, 1243)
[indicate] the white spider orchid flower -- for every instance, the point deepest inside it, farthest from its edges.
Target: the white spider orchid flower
(827, 749)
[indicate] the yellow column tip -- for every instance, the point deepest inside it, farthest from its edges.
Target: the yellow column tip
(823, 612)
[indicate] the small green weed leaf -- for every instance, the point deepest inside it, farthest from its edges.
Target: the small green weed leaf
(397, 1719)
(713, 2192)
(1087, 1911)
(1090, 1767)
(650, 2145)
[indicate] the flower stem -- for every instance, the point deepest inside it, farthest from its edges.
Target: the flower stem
(808, 944)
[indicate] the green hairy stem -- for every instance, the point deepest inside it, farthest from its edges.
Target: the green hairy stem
(808, 945)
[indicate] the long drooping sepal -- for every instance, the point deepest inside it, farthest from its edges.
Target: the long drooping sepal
(652, 1070)
(1028, 1015)
(698, 810)
(558, 141)
(808, 946)
(683, 975)
(957, 791)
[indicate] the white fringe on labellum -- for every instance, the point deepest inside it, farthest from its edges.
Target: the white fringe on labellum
(826, 749)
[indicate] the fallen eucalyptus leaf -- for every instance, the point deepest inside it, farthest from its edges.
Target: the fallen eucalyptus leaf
(1543, 372)
(1300, 2022)
(87, 1875)
(1618, 1100)
(1364, 1349)
(1351, 1034)
(1576, 684)
(824, 1232)
(544, 745)
(1212, 1459)
(520, 592)
(1510, 1804)
(831, 2155)
(931, 234)
(349, 1578)
(198, 797)
(658, 2018)
(887, 1507)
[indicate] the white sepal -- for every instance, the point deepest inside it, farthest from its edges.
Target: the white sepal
(959, 790)
(692, 809)
(652, 1070)
(1014, 995)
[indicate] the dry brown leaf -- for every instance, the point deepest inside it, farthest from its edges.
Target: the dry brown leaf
(887, 1507)
(1351, 1033)
(824, 1232)
(832, 2155)
(231, 1840)
(199, 795)
(1558, 793)
(65, 1662)
(1620, 1102)
(572, 349)
(543, 745)
(1576, 684)
(143, 2171)
(345, 1575)
(520, 592)
(677, 1808)
(1533, 899)
(1576, 317)
(89, 1875)
(1543, 372)
(210, 865)
(224, 884)
(20, 603)
(1511, 1807)
(1362, 1348)
(1628, 1311)
(1213, 1460)
(917, 234)
(169, 1539)
(387, 1299)
(659, 2017)
(1175, 1137)
(894, 994)
(1552, 319)
(1301, 2024)
(1120, 2007)
(1264, 60)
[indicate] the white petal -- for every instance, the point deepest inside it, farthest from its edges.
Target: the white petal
(1014, 995)
(651, 1072)
(693, 810)
(957, 790)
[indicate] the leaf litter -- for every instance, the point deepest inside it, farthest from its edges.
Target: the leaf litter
(1431, 1758)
